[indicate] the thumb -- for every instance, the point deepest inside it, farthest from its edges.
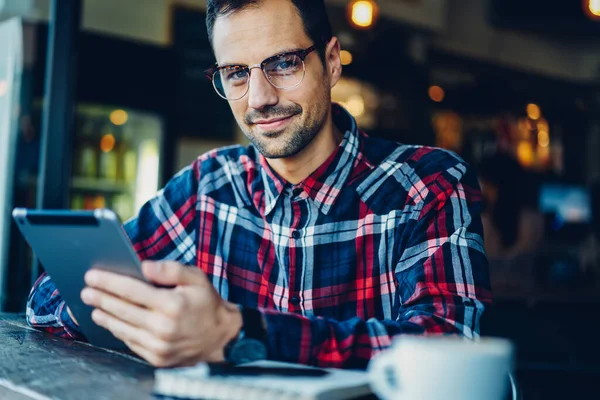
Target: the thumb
(171, 273)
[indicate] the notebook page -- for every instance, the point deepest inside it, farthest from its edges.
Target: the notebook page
(337, 385)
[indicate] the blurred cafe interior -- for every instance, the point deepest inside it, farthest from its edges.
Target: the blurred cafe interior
(511, 86)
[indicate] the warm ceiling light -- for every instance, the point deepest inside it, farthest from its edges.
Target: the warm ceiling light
(363, 13)
(437, 94)
(543, 139)
(107, 143)
(346, 57)
(356, 105)
(119, 117)
(3, 88)
(542, 125)
(525, 153)
(592, 8)
(533, 111)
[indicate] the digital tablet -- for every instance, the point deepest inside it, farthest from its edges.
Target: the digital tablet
(69, 243)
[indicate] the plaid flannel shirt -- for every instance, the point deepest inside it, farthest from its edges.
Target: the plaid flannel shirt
(382, 240)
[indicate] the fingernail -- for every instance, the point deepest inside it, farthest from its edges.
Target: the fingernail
(97, 317)
(91, 277)
(87, 296)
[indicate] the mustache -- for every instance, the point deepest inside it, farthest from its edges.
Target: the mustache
(271, 112)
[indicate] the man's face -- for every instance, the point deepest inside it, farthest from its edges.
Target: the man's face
(280, 123)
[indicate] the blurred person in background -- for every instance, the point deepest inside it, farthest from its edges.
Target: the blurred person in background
(512, 226)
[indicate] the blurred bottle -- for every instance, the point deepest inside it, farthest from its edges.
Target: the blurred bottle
(127, 157)
(122, 204)
(88, 152)
(88, 202)
(130, 165)
(99, 201)
(77, 202)
(108, 154)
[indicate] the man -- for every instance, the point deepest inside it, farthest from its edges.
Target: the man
(316, 244)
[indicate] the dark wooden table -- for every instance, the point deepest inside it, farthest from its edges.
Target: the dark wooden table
(38, 366)
(35, 365)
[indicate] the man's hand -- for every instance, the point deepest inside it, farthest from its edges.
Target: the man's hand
(167, 327)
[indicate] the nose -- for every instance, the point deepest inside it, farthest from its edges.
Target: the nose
(260, 92)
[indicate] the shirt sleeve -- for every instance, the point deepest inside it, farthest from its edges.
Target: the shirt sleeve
(165, 227)
(163, 230)
(46, 310)
(442, 282)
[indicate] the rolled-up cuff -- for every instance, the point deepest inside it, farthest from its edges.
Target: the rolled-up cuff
(67, 322)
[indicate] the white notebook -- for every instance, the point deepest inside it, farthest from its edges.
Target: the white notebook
(198, 383)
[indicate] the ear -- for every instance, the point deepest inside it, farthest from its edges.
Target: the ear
(333, 61)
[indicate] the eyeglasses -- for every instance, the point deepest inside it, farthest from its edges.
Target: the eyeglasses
(284, 71)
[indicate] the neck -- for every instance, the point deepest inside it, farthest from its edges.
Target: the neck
(297, 168)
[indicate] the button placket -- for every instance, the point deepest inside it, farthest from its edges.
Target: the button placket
(295, 301)
(296, 234)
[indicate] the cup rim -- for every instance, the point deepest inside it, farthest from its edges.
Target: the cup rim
(489, 345)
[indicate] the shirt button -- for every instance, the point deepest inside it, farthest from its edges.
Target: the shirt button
(297, 192)
(295, 300)
(296, 234)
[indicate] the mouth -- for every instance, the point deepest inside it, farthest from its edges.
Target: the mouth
(273, 124)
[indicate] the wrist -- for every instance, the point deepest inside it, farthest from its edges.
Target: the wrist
(251, 342)
(231, 322)
(235, 322)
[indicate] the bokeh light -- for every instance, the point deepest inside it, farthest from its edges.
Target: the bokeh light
(119, 117)
(107, 143)
(346, 57)
(362, 13)
(437, 94)
(533, 111)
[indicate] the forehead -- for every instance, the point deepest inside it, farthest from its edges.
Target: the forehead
(250, 35)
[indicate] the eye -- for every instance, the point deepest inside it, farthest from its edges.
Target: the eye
(285, 65)
(234, 74)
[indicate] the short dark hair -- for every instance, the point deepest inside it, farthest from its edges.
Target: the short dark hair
(313, 13)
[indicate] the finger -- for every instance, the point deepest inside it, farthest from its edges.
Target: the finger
(129, 289)
(123, 310)
(171, 360)
(172, 273)
(138, 340)
(148, 355)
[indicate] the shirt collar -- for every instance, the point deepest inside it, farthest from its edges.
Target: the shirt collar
(274, 185)
(324, 185)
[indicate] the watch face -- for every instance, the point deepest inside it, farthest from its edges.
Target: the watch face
(248, 350)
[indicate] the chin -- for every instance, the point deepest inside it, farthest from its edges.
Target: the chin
(276, 151)
(273, 153)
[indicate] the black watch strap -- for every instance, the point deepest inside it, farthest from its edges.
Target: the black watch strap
(253, 324)
(253, 329)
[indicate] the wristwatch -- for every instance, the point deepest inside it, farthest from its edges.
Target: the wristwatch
(251, 343)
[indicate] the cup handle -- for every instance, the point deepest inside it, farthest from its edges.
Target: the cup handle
(378, 375)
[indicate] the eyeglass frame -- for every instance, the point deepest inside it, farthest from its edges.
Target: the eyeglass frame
(302, 54)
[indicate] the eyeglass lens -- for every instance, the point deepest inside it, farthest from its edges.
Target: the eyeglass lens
(285, 72)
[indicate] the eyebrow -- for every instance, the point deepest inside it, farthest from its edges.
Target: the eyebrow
(283, 51)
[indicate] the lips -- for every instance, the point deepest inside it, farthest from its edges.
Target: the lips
(274, 124)
(271, 121)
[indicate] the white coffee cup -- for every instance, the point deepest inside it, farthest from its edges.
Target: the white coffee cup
(442, 367)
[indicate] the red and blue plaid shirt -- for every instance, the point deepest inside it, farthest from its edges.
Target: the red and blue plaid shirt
(383, 239)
